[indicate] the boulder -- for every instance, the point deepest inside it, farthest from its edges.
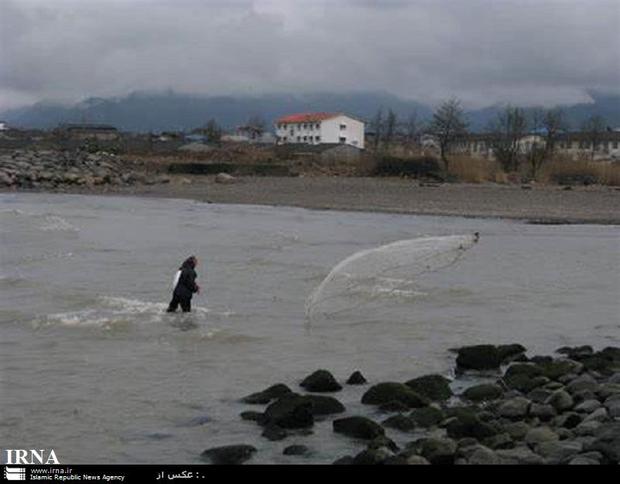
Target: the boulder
(607, 441)
(257, 417)
(483, 456)
(390, 391)
(542, 411)
(558, 368)
(478, 357)
(588, 406)
(499, 441)
(324, 405)
(559, 452)
(512, 352)
(613, 408)
(289, 412)
(417, 460)
(469, 425)
(296, 450)
(427, 416)
(438, 451)
(267, 395)
(433, 387)
(393, 406)
(560, 400)
(519, 456)
(539, 435)
(514, 408)
(568, 420)
(321, 381)
(274, 433)
(399, 422)
(356, 378)
(370, 457)
(516, 430)
(599, 415)
(229, 455)
(576, 352)
(583, 382)
(358, 427)
(483, 392)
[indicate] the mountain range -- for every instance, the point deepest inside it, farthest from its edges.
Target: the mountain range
(171, 111)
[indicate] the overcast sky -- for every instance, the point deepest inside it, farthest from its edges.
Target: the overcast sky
(482, 51)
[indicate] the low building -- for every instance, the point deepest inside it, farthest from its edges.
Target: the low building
(102, 132)
(320, 128)
(4, 126)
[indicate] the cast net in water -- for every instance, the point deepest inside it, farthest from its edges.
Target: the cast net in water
(388, 270)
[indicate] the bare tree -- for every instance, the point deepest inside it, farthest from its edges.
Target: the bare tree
(213, 132)
(377, 126)
(390, 127)
(448, 126)
(593, 129)
(508, 129)
(257, 123)
(553, 123)
(412, 127)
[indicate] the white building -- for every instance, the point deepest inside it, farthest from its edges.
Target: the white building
(3, 126)
(320, 128)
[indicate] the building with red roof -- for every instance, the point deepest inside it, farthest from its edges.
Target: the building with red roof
(320, 128)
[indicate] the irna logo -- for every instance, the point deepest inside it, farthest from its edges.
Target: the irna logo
(31, 457)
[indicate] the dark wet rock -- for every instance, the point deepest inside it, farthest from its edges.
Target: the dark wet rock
(417, 460)
(321, 381)
(267, 395)
(427, 416)
(611, 353)
(559, 452)
(358, 427)
(519, 456)
(583, 461)
(274, 433)
(369, 457)
(483, 392)
(383, 441)
(576, 352)
(290, 411)
(565, 434)
(324, 405)
(558, 368)
(478, 357)
(541, 360)
(399, 422)
(296, 449)
(539, 435)
(588, 406)
(542, 411)
(517, 430)
(587, 429)
(229, 454)
(509, 353)
(347, 460)
(499, 441)
(613, 407)
(581, 383)
(356, 378)
(539, 395)
(469, 425)
(438, 451)
(393, 406)
(560, 400)
(514, 408)
(553, 386)
(599, 415)
(483, 456)
(395, 460)
(568, 420)
(390, 391)
(257, 417)
(523, 377)
(433, 387)
(607, 442)
(607, 390)
(583, 395)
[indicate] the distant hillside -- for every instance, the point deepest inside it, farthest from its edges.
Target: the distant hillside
(171, 111)
(142, 112)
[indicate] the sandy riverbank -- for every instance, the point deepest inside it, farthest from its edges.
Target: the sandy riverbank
(544, 204)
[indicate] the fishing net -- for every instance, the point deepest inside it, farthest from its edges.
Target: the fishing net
(389, 270)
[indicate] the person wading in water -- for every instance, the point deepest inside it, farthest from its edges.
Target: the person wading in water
(184, 286)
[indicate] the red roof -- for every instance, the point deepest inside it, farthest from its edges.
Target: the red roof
(306, 117)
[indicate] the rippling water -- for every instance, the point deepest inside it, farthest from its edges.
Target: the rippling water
(93, 367)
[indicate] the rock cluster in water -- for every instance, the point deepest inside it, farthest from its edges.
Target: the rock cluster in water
(50, 169)
(519, 410)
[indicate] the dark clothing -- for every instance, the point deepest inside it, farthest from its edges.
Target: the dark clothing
(185, 288)
(186, 304)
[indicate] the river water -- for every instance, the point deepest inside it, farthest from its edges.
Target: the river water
(92, 367)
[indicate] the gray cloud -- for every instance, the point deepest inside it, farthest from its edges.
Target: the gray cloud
(483, 51)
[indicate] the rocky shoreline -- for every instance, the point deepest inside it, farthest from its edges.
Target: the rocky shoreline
(61, 170)
(514, 409)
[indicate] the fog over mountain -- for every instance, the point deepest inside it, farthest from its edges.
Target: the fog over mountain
(142, 112)
(485, 52)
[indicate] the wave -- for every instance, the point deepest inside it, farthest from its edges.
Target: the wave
(47, 222)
